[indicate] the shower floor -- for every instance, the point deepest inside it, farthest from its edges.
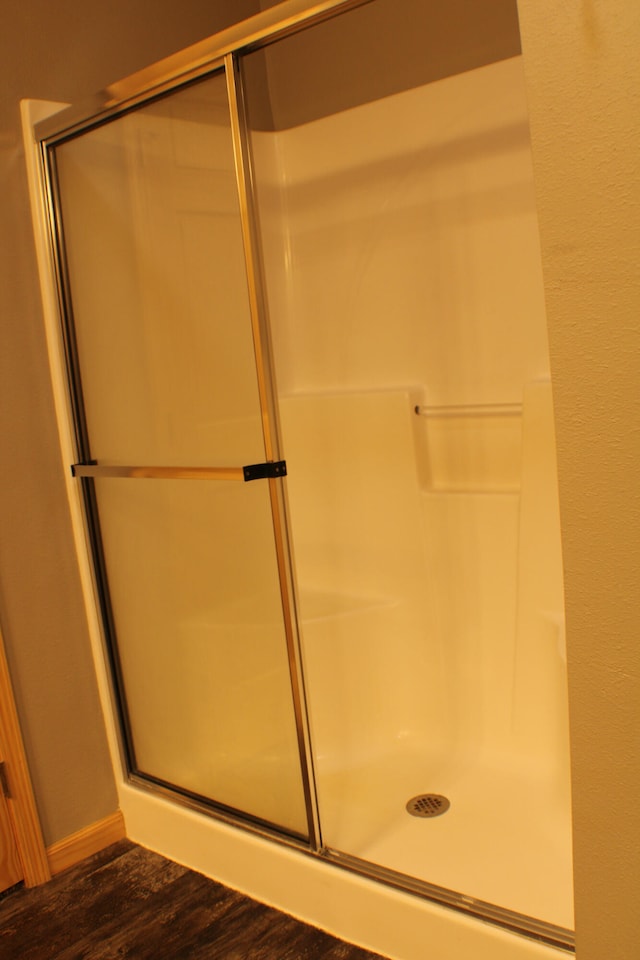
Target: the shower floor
(504, 840)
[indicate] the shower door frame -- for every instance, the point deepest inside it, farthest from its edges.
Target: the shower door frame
(85, 471)
(224, 51)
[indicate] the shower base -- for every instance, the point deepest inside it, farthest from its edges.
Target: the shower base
(504, 840)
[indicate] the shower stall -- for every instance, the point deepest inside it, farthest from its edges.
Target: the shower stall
(301, 322)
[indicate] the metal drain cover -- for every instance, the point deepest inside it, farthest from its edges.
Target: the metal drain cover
(428, 805)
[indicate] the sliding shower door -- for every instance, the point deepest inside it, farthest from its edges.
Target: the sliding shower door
(398, 223)
(329, 256)
(169, 407)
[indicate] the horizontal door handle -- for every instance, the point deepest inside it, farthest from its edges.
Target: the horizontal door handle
(255, 471)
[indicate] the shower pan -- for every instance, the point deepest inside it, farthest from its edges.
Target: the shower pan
(309, 433)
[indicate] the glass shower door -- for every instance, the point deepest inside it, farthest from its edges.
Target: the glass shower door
(398, 224)
(168, 410)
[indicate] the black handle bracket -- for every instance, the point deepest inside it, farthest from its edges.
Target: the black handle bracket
(265, 471)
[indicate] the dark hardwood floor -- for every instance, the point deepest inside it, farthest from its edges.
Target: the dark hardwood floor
(126, 902)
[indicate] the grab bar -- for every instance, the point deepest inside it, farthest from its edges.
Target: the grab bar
(471, 410)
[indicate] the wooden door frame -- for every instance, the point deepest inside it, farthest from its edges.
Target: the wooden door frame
(21, 804)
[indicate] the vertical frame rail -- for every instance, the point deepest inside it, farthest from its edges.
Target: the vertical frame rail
(266, 388)
(76, 415)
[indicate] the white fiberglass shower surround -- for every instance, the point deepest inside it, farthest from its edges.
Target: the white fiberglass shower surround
(300, 316)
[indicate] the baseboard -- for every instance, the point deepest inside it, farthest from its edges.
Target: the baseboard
(66, 853)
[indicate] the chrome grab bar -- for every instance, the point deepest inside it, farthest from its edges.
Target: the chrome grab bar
(471, 410)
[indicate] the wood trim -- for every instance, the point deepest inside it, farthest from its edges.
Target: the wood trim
(21, 805)
(71, 850)
(11, 871)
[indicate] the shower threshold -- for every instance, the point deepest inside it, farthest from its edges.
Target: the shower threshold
(540, 930)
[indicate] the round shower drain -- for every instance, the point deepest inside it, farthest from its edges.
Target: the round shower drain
(428, 805)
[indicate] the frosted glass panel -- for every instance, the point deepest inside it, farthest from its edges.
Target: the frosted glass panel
(158, 288)
(194, 587)
(167, 377)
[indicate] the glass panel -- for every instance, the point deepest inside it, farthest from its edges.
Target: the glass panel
(157, 279)
(156, 268)
(194, 586)
(393, 169)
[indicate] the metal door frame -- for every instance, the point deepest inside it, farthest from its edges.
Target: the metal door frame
(85, 470)
(224, 51)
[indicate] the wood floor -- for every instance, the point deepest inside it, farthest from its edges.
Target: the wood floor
(126, 902)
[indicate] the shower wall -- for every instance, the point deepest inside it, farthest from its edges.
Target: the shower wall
(402, 272)
(402, 268)
(420, 208)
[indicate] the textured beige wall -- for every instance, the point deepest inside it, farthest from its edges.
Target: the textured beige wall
(57, 51)
(583, 74)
